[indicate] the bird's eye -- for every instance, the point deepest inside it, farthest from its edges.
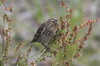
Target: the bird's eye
(52, 21)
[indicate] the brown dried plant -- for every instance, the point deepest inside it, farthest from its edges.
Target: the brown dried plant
(5, 33)
(64, 47)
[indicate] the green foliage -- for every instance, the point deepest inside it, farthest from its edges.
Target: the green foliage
(0, 2)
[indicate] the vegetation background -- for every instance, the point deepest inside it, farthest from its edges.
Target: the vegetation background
(28, 15)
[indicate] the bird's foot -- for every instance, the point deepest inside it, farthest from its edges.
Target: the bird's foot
(47, 48)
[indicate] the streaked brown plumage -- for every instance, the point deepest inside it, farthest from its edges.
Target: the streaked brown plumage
(45, 32)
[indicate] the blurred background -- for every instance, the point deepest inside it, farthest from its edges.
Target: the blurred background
(28, 15)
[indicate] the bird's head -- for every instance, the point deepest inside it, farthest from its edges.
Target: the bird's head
(52, 22)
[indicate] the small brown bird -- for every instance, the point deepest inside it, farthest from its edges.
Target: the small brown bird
(45, 32)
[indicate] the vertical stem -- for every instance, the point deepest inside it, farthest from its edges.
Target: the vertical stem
(3, 38)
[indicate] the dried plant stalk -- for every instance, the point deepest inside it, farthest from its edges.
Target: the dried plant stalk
(65, 46)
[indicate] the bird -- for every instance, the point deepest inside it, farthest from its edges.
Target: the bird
(46, 32)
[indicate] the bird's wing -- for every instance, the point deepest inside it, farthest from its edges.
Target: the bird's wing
(39, 32)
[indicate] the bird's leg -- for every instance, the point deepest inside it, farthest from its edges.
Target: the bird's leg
(47, 48)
